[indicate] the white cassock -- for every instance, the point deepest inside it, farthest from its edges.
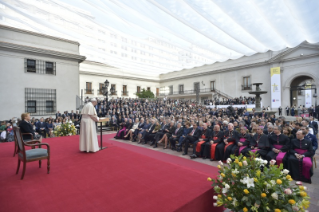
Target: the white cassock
(88, 137)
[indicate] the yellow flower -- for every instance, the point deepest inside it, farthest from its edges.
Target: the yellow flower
(279, 181)
(222, 174)
(219, 196)
(303, 194)
(277, 210)
(258, 173)
(209, 179)
(292, 202)
(305, 203)
(219, 167)
(246, 191)
(236, 160)
(219, 203)
(301, 188)
(240, 164)
(255, 179)
(263, 195)
(233, 174)
(288, 177)
(244, 158)
(245, 209)
(229, 198)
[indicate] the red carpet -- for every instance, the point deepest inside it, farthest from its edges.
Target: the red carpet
(120, 178)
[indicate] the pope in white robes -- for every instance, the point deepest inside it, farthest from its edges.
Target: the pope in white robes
(88, 136)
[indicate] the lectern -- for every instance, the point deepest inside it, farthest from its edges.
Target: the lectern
(101, 120)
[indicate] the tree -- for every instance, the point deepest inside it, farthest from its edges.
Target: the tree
(145, 94)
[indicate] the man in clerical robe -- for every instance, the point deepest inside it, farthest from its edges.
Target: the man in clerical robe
(205, 137)
(300, 158)
(88, 137)
(231, 138)
(208, 149)
(242, 147)
(279, 146)
(260, 143)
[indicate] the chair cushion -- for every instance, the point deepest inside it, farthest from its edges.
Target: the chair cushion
(35, 153)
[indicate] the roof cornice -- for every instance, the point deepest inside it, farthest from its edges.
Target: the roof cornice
(39, 51)
(38, 34)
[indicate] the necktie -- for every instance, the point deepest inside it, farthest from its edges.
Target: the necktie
(176, 131)
(193, 132)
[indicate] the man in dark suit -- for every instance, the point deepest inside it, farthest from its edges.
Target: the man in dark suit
(287, 111)
(191, 137)
(176, 135)
(26, 127)
(41, 128)
(58, 114)
(72, 114)
(314, 125)
(311, 138)
(149, 130)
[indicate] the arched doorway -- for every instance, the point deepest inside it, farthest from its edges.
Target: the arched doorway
(299, 89)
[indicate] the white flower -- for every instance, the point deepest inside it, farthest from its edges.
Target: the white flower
(234, 201)
(245, 163)
(220, 163)
(244, 199)
(272, 162)
(274, 195)
(272, 182)
(295, 208)
(215, 197)
(229, 161)
(285, 171)
(305, 188)
(227, 186)
(215, 204)
(250, 183)
(235, 171)
(288, 191)
(224, 190)
(265, 162)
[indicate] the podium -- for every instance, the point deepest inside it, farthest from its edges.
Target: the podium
(101, 120)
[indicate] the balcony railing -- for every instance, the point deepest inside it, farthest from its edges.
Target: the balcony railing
(203, 90)
(100, 91)
(114, 93)
(124, 93)
(89, 91)
(246, 87)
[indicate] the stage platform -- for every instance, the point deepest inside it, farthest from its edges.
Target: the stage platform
(122, 177)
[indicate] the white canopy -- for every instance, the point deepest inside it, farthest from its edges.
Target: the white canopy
(158, 36)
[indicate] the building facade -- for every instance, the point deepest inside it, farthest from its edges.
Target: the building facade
(39, 73)
(299, 67)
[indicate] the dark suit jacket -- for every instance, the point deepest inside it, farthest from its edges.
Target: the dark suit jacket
(39, 125)
(26, 127)
(305, 144)
(179, 132)
(197, 133)
(314, 126)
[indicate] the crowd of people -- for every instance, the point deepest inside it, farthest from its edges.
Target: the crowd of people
(235, 101)
(301, 111)
(217, 133)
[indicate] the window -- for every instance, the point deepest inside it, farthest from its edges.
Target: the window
(196, 86)
(31, 66)
(113, 88)
(40, 101)
(49, 106)
(149, 88)
(170, 90)
(157, 91)
(101, 88)
(212, 85)
(31, 106)
(40, 66)
(49, 67)
(246, 83)
(88, 89)
(124, 92)
(138, 89)
(181, 89)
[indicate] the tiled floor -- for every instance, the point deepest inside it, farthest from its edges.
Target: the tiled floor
(313, 189)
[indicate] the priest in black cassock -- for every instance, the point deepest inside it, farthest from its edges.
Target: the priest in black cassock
(209, 150)
(279, 146)
(300, 158)
(231, 138)
(204, 137)
(242, 146)
(260, 143)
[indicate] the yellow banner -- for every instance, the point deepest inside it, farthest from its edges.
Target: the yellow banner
(308, 86)
(275, 70)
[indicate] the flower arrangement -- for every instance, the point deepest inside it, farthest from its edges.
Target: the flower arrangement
(242, 186)
(67, 129)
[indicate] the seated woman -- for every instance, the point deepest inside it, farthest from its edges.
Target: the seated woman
(142, 132)
(300, 158)
(168, 133)
(49, 128)
(129, 126)
(242, 146)
(131, 131)
(26, 127)
(287, 132)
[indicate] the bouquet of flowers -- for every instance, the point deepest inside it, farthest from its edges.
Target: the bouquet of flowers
(242, 186)
(67, 129)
